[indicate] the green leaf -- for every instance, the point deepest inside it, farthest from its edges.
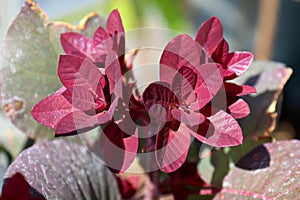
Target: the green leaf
(29, 60)
(269, 79)
(273, 173)
(59, 169)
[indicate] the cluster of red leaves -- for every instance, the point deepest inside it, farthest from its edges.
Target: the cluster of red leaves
(192, 98)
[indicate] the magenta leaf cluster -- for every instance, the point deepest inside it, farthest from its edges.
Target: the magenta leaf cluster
(194, 98)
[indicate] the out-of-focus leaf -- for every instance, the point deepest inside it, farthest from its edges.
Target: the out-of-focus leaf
(29, 60)
(278, 181)
(61, 170)
(214, 168)
(18, 183)
(269, 79)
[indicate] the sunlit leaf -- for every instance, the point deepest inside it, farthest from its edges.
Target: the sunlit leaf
(269, 79)
(276, 178)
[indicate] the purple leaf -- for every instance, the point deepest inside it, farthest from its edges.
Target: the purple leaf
(171, 148)
(210, 34)
(62, 170)
(180, 51)
(278, 180)
(117, 147)
(223, 131)
(51, 110)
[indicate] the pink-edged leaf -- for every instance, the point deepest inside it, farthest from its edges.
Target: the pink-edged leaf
(239, 109)
(237, 63)
(184, 83)
(221, 52)
(113, 73)
(76, 44)
(159, 100)
(190, 117)
(210, 34)
(114, 23)
(180, 51)
(210, 80)
(171, 148)
(64, 170)
(74, 71)
(238, 90)
(50, 110)
(222, 131)
(272, 173)
(117, 147)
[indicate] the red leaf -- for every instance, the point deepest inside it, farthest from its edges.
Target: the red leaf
(115, 28)
(190, 117)
(238, 90)
(80, 98)
(180, 51)
(159, 100)
(237, 63)
(128, 186)
(223, 131)
(239, 109)
(210, 80)
(75, 122)
(76, 44)
(113, 73)
(101, 36)
(50, 110)
(221, 52)
(114, 23)
(78, 121)
(74, 71)
(171, 148)
(16, 187)
(210, 34)
(117, 148)
(184, 83)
